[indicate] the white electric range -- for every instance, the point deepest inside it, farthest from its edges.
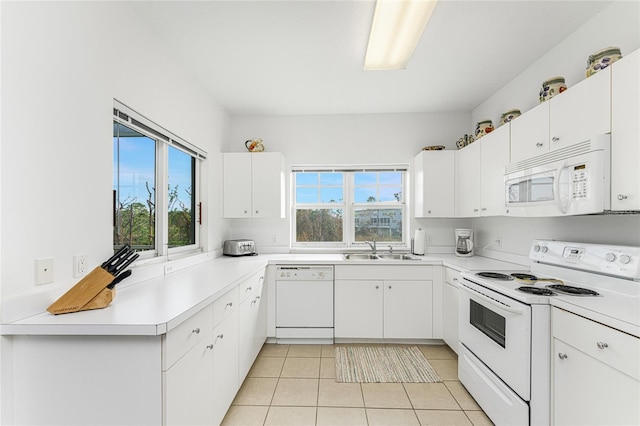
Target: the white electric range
(504, 321)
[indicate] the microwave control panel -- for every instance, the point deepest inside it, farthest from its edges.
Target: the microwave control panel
(580, 182)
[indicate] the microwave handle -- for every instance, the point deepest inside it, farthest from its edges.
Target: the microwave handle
(563, 189)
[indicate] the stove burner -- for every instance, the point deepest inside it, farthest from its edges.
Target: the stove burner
(495, 275)
(527, 277)
(575, 291)
(540, 291)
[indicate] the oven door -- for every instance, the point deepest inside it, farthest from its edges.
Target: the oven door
(497, 330)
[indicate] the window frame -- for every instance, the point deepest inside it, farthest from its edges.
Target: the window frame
(349, 206)
(164, 139)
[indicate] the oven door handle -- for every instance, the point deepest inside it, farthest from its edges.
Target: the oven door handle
(490, 301)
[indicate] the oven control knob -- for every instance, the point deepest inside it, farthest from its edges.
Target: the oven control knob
(544, 249)
(536, 248)
(624, 259)
(610, 257)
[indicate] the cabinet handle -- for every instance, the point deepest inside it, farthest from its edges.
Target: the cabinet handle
(210, 346)
(602, 345)
(483, 209)
(245, 212)
(555, 139)
(622, 197)
(247, 289)
(257, 212)
(377, 286)
(196, 331)
(562, 356)
(539, 145)
(219, 336)
(475, 210)
(389, 287)
(429, 211)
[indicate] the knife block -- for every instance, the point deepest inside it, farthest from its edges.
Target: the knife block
(91, 292)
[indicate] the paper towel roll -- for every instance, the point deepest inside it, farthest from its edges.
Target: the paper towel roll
(419, 241)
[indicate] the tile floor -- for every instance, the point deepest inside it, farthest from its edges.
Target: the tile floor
(294, 385)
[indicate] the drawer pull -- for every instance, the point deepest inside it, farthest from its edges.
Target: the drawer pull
(229, 304)
(389, 287)
(377, 287)
(602, 345)
(196, 331)
(219, 336)
(247, 289)
(555, 139)
(539, 145)
(562, 356)
(622, 197)
(210, 346)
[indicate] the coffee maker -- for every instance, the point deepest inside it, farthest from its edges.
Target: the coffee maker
(464, 242)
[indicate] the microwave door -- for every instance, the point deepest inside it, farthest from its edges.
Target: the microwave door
(563, 189)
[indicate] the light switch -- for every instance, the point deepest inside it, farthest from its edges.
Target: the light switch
(44, 271)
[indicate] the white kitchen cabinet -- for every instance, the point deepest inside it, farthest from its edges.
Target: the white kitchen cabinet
(494, 156)
(467, 181)
(581, 112)
(479, 175)
(434, 184)
(450, 308)
(225, 365)
(188, 386)
(253, 185)
(595, 373)
(530, 133)
(358, 309)
(625, 133)
(383, 301)
(252, 324)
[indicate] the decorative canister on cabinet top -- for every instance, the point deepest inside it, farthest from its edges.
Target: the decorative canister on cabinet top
(483, 127)
(509, 115)
(552, 87)
(602, 59)
(254, 145)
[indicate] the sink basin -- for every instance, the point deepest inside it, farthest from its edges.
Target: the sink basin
(360, 256)
(397, 256)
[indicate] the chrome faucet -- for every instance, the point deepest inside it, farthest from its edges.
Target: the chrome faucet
(373, 246)
(390, 249)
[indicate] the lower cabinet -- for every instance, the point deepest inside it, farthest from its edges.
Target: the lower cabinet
(595, 373)
(375, 302)
(225, 366)
(252, 322)
(450, 308)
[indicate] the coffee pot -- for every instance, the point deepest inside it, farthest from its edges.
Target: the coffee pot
(464, 242)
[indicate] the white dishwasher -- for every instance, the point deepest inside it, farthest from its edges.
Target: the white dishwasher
(304, 304)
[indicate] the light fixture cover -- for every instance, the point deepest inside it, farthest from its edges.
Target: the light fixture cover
(395, 31)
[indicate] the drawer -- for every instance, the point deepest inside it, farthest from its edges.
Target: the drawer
(451, 276)
(249, 286)
(406, 271)
(224, 305)
(610, 346)
(182, 338)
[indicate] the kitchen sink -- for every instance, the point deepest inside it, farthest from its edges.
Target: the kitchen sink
(360, 256)
(381, 256)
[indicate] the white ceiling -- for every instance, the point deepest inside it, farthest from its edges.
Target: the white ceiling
(306, 57)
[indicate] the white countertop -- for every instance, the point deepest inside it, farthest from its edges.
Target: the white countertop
(157, 305)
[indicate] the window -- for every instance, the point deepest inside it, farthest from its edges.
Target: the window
(347, 207)
(147, 157)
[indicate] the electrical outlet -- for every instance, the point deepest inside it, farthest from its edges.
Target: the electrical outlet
(44, 271)
(498, 243)
(274, 238)
(79, 265)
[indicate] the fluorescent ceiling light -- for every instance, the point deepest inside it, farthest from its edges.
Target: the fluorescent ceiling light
(396, 29)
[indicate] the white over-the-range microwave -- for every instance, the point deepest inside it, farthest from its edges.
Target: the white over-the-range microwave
(573, 180)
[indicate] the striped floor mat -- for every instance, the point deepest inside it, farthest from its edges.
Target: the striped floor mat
(383, 364)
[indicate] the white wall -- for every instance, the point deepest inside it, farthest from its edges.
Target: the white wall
(63, 63)
(338, 139)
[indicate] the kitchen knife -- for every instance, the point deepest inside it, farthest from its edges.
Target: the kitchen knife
(111, 268)
(119, 278)
(122, 264)
(117, 254)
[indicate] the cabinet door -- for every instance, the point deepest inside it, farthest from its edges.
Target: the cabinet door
(582, 111)
(625, 133)
(530, 133)
(251, 330)
(450, 314)
(434, 184)
(189, 386)
(225, 366)
(236, 185)
(468, 181)
(268, 185)
(494, 155)
(407, 309)
(588, 391)
(358, 309)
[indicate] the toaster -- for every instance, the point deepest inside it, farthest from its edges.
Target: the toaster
(239, 248)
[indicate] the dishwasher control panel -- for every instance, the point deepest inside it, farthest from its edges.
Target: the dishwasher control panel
(304, 273)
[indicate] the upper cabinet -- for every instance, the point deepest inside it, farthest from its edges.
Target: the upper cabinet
(625, 133)
(254, 185)
(434, 184)
(480, 175)
(576, 115)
